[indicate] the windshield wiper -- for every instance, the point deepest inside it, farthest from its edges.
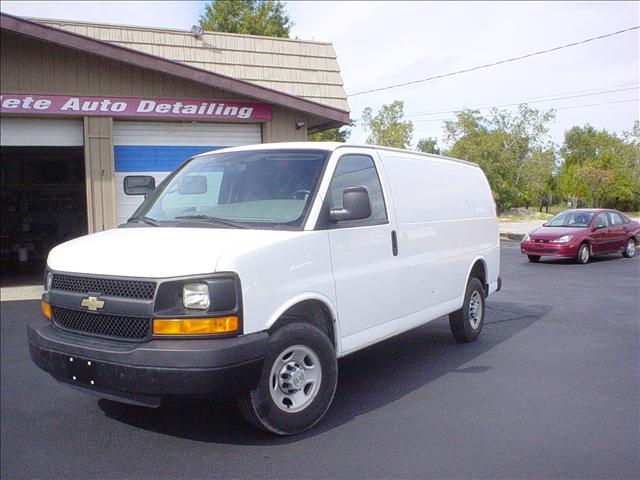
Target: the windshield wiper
(210, 219)
(144, 219)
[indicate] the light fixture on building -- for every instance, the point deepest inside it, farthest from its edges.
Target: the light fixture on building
(299, 125)
(197, 31)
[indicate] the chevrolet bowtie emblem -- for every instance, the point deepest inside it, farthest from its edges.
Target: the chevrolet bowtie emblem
(92, 303)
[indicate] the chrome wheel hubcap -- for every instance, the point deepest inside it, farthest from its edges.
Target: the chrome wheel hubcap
(295, 378)
(475, 309)
(584, 254)
(631, 248)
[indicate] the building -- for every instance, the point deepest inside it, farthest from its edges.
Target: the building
(83, 105)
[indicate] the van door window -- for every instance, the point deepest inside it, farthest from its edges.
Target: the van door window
(354, 171)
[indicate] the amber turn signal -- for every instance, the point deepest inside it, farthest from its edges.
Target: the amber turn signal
(195, 326)
(46, 309)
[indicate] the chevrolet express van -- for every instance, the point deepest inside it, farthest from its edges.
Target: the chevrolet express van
(252, 270)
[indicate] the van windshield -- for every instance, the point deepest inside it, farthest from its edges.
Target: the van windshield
(249, 189)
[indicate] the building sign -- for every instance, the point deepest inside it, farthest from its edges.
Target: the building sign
(132, 107)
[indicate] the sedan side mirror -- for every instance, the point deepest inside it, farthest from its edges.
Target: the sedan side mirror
(355, 205)
(139, 184)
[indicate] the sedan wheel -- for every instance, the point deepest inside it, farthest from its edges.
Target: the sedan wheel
(584, 254)
(630, 248)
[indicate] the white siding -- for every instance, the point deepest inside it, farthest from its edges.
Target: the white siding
(40, 132)
(180, 133)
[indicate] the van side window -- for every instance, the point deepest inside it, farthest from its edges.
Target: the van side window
(353, 171)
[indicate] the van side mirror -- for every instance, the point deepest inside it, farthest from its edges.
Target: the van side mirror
(139, 184)
(355, 205)
(193, 185)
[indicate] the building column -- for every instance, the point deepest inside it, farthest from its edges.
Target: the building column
(284, 126)
(99, 173)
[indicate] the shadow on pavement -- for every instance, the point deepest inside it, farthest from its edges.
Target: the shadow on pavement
(369, 379)
(571, 261)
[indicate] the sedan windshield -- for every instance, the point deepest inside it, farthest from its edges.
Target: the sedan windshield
(570, 219)
(250, 189)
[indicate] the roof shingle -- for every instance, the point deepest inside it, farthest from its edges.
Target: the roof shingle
(297, 67)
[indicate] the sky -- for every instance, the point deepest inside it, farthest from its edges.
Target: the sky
(386, 43)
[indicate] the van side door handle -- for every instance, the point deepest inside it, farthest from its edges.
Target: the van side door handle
(394, 243)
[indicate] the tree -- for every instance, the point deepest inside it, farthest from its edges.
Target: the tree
(514, 150)
(332, 135)
(600, 169)
(632, 139)
(428, 145)
(253, 17)
(387, 127)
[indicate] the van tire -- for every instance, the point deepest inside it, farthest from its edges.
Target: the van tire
(265, 406)
(533, 258)
(466, 323)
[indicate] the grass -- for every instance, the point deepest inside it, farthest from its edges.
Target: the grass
(522, 218)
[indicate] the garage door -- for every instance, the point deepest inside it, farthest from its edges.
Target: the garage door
(154, 148)
(32, 132)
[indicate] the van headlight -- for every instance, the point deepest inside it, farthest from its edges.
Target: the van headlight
(562, 239)
(196, 295)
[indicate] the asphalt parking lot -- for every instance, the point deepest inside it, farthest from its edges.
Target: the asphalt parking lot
(550, 390)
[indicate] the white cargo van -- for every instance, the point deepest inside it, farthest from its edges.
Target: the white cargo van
(253, 269)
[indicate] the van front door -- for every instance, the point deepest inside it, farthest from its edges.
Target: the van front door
(364, 260)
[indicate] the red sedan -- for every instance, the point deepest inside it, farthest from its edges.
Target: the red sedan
(581, 234)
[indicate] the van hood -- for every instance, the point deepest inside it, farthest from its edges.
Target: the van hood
(156, 252)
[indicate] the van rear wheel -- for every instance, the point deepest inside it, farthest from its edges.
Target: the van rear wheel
(467, 322)
(297, 383)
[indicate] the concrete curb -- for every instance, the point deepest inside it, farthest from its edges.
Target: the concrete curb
(29, 292)
(511, 236)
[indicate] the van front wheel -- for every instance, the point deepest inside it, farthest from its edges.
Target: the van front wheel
(297, 383)
(467, 322)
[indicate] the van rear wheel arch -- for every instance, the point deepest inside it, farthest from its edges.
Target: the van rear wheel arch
(479, 271)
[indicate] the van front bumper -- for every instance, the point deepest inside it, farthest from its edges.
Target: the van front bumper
(142, 373)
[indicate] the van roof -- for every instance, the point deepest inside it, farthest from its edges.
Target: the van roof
(331, 146)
